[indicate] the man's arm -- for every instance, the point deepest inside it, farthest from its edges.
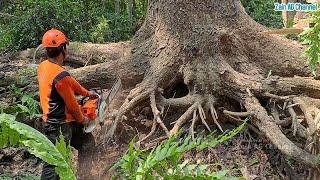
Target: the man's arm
(66, 90)
(77, 88)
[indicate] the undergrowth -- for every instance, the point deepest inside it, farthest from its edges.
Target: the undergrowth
(24, 106)
(263, 12)
(14, 134)
(23, 22)
(311, 37)
(166, 160)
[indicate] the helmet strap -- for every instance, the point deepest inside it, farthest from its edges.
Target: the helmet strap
(64, 54)
(63, 50)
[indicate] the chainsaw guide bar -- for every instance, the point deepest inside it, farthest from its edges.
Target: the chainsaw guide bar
(102, 106)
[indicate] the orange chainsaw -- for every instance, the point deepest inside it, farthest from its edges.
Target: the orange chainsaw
(96, 109)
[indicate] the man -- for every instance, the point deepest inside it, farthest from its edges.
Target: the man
(61, 111)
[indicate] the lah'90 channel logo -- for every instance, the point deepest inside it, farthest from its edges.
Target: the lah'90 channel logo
(295, 7)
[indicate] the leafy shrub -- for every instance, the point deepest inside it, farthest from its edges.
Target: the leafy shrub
(25, 75)
(26, 21)
(26, 106)
(13, 133)
(166, 160)
(101, 31)
(311, 37)
(19, 177)
(32, 18)
(263, 12)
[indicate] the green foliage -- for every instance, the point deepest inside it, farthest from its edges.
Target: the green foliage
(23, 22)
(101, 31)
(311, 37)
(24, 102)
(25, 74)
(18, 177)
(27, 106)
(13, 133)
(165, 162)
(263, 12)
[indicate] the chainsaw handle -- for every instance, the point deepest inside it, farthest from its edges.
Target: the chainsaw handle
(84, 99)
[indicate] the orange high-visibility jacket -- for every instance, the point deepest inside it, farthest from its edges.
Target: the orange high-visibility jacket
(57, 94)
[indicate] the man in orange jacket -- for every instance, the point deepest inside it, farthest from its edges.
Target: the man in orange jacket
(61, 111)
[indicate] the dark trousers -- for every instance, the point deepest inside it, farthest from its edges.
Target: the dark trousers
(72, 133)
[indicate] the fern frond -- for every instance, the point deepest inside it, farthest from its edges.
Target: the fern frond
(311, 37)
(164, 162)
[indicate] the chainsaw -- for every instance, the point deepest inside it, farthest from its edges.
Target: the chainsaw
(96, 109)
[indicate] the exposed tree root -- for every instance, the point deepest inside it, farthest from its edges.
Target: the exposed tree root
(215, 117)
(266, 124)
(194, 119)
(274, 134)
(307, 113)
(153, 129)
(273, 96)
(183, 119)
(294, 118)
(203, 117)
(237, 114)
(125, 108)
(156, 113)
(278, 85)
(292, 85)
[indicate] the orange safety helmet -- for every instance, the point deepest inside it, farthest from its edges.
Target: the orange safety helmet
(53, 39)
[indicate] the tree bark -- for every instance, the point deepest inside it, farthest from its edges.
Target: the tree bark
(288, 16)
(217, 52)
(130, 11)
(117, 6)
(79, 55)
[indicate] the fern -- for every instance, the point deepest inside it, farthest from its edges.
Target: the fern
(13, 133)
(164, 162)
(311, 37)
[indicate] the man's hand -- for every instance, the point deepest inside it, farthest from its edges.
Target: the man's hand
(93, 95)
(85, 120)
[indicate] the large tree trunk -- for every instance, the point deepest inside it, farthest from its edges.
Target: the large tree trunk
(288, 16)
(217, 51)
(210, 51)
(84, 55)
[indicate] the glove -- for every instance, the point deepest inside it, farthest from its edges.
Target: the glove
(93, 95)
(85, 120)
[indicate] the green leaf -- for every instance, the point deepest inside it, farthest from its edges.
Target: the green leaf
(164, 162)
(23, 108)
(37, 144)
(221, 174)
(24, 99)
